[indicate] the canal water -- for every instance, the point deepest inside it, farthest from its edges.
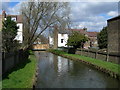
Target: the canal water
(58, 72)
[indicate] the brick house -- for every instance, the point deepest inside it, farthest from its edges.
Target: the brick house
(92, 42)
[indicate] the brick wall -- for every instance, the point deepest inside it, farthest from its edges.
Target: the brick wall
(113, 34)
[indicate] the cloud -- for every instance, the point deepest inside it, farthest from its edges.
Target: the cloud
(92, 15)
(112, 13)
(11, 10)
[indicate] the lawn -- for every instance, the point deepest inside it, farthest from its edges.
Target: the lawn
(22, 75)
(107, 65)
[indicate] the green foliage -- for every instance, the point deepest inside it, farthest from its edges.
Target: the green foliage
(76, 40)
(102, 38)
(23, 75)
(9, 31)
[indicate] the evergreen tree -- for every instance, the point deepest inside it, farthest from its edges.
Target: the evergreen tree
(102, 38)
(9, 32)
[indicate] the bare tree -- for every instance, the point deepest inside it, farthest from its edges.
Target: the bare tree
(38, 16)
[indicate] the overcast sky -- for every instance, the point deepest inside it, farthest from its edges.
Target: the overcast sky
(92, 15)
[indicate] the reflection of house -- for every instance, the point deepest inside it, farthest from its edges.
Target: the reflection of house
(18, 20)
(114, 34)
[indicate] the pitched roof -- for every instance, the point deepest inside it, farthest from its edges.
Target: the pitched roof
(82, 31)
(18, 18)
(92, 34)
(114, 18)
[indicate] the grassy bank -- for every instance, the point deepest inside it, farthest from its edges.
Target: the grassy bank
(108, 67)
(22, 76)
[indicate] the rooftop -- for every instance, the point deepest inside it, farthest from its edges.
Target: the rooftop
(82, 31)
(114, 18)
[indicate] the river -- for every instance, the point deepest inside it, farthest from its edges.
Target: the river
(58, 72)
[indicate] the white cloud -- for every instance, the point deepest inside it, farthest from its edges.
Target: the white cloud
(14, 10)
(85, 14)
(92, 15)
(112, 13)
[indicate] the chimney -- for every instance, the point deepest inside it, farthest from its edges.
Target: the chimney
(85, 29)
(55, 37)
(3, 14)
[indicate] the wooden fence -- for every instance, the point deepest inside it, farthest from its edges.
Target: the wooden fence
(10, 60)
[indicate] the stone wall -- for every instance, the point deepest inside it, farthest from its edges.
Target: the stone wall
(114, 58)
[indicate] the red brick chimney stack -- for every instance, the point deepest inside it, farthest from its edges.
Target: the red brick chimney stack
(3, 14)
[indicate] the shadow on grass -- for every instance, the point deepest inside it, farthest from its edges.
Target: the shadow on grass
(17, 67)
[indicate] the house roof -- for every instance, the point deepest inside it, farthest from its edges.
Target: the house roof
(82, 31)
(18, 18)
(114, 18)
(92, 34)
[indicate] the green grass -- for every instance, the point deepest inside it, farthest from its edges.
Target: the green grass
(22, 76)
(107, 65)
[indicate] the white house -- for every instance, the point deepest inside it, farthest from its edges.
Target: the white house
(62, 38)
(20, 29)
(18, 20)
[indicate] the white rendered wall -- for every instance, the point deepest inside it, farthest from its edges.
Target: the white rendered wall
(20, 33)
(65, 38)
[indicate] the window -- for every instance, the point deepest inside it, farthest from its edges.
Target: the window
(62, 35)
(13, 18)
(18, 27)
(62, 40)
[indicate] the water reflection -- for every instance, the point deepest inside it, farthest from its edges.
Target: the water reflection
(59, 72)
(63, 65)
